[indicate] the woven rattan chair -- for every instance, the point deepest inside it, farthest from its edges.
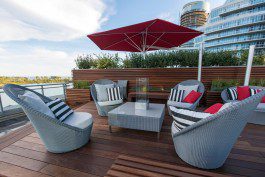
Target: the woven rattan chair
(258, 115)
(206, 144)
(102, 110)
(193, 106)
(57, 136)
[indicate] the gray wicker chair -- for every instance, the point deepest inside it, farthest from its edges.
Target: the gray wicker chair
(57, 136)
(257, 116)
(201, 89)
(102, 110)
(207, 143)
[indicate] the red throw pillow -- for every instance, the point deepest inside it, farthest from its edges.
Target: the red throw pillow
(263, 100)
(214, 108)
(243, 92)
(192, 97)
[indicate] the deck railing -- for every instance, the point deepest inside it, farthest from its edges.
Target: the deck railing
(48, 89)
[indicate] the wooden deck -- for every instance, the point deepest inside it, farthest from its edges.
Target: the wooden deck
(123, 153)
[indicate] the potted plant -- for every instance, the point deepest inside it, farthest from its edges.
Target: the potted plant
(79, 94)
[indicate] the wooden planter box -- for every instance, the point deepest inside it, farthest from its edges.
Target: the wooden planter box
(213, 97)
(77, 97)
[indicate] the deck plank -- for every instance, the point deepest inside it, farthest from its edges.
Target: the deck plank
(123, 153)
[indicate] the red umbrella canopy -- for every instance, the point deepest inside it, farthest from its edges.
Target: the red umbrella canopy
(146, 36)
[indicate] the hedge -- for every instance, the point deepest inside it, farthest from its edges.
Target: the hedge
(166, 59)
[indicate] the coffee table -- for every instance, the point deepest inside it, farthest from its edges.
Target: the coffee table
(126, 116)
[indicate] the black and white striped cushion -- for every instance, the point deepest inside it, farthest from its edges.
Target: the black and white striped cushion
(59, 109)
(232, 93)
(184, 118)
(176, 95)
(254, 91)
(114, 94)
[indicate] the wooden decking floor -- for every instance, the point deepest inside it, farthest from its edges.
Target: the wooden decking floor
(123, 153)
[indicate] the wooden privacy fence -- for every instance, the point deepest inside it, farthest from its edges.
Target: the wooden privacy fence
(166, 78)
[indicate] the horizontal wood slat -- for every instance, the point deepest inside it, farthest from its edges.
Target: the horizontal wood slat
(76, 97)
(166, 78)
(134, 166)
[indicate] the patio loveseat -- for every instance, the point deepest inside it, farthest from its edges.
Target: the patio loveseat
(258, 115)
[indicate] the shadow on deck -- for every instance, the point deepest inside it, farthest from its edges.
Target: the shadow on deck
(123, 153)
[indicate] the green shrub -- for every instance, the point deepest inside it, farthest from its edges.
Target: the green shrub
(257, 82)
(221, 84)
(81, 84)
(257, 60)
(167, 59)
(85, 62)
(107, 61)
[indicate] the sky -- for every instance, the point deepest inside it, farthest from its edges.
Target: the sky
(43, 38)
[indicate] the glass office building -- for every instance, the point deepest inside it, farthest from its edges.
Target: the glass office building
(236, 25)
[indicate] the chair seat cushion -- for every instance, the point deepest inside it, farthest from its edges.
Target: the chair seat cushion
(179, 104)
(102, 91)
(261, 107)
(109, 103)
(79, 119)
(36, 103)
(188, 88)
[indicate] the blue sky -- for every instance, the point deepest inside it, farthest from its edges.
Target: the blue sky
(40, 37)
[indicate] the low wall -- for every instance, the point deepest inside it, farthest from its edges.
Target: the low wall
(167, 77)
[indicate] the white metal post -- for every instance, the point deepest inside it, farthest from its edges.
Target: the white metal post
(200, 63)
(249, 64)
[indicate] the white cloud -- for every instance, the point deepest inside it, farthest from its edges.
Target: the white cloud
(55, 20)
(2, 50)
(36, 62)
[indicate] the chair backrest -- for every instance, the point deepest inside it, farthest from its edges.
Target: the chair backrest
(13, 90)
(224, 94)
(101, 82)
(201, 87)
(227, 123)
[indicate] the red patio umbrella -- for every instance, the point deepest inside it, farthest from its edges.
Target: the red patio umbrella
(142, 37)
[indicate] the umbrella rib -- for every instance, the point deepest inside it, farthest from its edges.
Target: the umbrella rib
(132, 42)
(119, 41)
(163, 40)
(132, 45)
(155, 41)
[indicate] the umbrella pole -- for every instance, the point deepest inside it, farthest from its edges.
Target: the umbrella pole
(249, 64)
(144, 53)
(200, 63)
